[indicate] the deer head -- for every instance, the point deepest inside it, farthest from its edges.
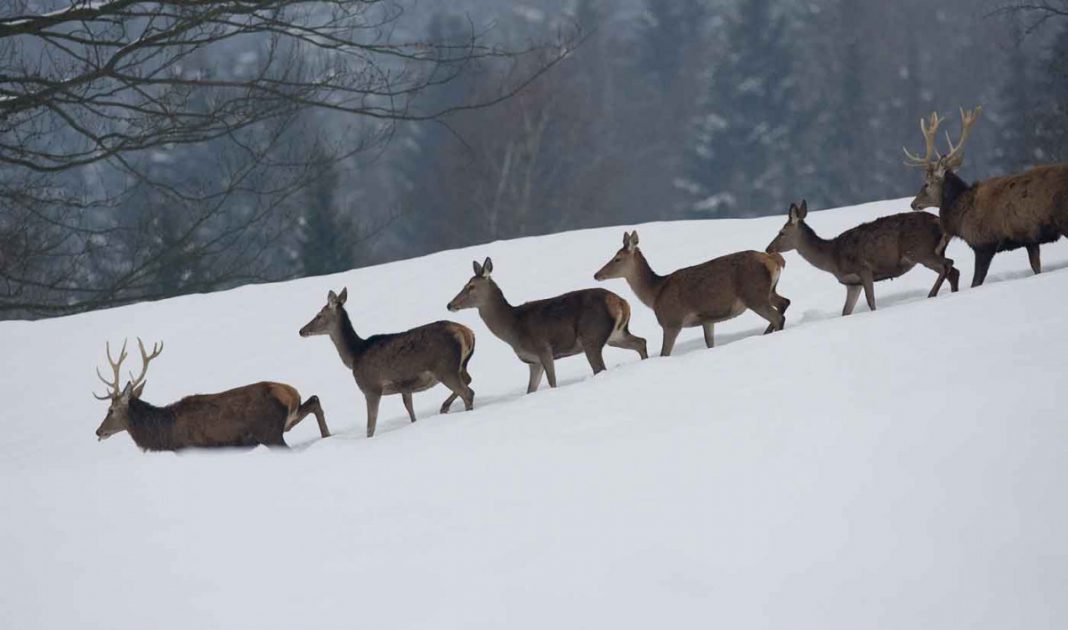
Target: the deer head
(117, 419)
(936, 165)
(786, 240)
(328, 317)
(477, 290)
(623, 262)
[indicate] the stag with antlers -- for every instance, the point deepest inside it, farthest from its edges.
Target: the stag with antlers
(993, 215)
(245, 416)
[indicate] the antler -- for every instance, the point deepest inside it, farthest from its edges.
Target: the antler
(929, 129)
(955, 157)
(113, 385)
(145, 359)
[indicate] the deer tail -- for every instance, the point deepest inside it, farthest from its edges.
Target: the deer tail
(620, 311)
(775, 263)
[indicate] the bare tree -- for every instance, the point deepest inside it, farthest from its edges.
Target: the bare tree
(94, 94)
(1037, 12)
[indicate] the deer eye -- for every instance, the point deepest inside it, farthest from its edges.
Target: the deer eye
(617, 259)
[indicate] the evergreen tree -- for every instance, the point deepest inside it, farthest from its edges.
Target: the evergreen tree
(667, 66)
(1052, 137)
(668, 31)
(325, 242)
(839, 104)
(740, 160)
(1017, 132)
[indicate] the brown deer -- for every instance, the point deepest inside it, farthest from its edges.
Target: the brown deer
(882, 249)
(245, 416)
(705, 294)
(398, 363)
(545, 330)
(993, 215)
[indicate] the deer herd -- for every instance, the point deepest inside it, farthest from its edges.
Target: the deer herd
(1003, 213)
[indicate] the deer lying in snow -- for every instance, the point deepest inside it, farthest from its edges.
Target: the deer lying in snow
(400, 363)
(545, 330)
(885, 248)
(704, 294)
(994, 215)
(245, 416)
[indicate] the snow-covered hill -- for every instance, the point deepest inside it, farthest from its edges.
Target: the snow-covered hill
(902, 469)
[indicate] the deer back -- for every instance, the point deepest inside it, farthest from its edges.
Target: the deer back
(234, 416)
(1029, 207)
(888, 245)
(562, 320)
(248, 415)
(716, 286)
(404, 356)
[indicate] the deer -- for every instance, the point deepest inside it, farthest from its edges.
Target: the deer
(545, 330)
(885, 248)
(702, 295)
(398, 363)
(245, 416)
(992, 215)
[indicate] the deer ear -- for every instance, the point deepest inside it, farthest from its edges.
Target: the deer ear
(477, 267)
(631, 241)
(793, 214)
(487, 267)
(331, 297)
(344, 296)
(140, 388)
(127, 391)
(802, 212)
(626, 239)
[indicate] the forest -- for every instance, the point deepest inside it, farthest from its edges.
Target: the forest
(153, 149)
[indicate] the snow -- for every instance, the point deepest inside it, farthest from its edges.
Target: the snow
(898, 469)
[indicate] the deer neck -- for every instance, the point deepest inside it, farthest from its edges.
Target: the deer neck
(152, 428)
(955, 202)
(349, 344)
(499, 315)
(645, 282)
(817, 251)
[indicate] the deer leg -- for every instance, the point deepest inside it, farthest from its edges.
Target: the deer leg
(536, 370)
(867, 280)
(941, 266)
(709, 329)
(466, 377)
(670, 334)
(953, 274)
(852, 293)
(768, 312)
(781, 304)
(448, 403)
(373, 398)
(455, 382)
(1033, 257)
(629, 342)
(983, 256)
(407, 398)
(550, 368)
(311, 406)
(594, 355)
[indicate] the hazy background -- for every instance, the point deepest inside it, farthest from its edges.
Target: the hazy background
(664, 110)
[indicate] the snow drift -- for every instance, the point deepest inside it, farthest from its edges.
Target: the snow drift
(898, 469)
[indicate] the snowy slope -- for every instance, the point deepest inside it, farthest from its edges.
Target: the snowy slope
(902, 469)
